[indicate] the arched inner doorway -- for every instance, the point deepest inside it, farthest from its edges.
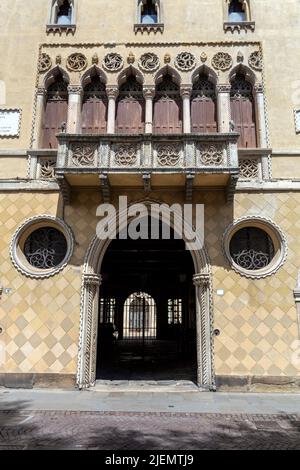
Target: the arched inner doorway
(147, 321)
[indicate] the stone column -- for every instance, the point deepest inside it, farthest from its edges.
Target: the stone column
(223, 104)
(39, 113)
(74, 109)
(186, 91)
(112, 94)
(149, 93)
(203, 325)
(260, 115)
(88, 331)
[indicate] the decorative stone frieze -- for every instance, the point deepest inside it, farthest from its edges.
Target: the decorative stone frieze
(45, 63)
(126, 154)
(149, 62)
(76, 62)
(83, 154)
(168, 154)
(47, 168)
(222, 61)
(255, 60)
(113, 62)
(211, 155)
(249, 168)
(185, 61)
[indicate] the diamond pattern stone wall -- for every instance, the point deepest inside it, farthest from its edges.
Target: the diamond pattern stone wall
(257, 318)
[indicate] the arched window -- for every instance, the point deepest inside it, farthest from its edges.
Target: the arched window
(56, 111)
(139, 317)
(238, 10)
(243, 111)
(167, 118)
(94, 107)
(62, 12)
(130, 116)
(149, 12)
(203, 106)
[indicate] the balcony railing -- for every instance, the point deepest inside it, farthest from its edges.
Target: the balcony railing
(201, 153)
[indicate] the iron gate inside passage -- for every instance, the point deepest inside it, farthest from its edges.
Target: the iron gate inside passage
(139, 317)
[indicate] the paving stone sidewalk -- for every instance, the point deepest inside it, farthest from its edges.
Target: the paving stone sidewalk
(146, 431)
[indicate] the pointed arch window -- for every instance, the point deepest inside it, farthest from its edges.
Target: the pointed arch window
(167, 118)
(149, 16)
(130, 115)
(94, 107)
(203, 106)
(56, 111)
(62, 16)
(237, 15)
(243, 111)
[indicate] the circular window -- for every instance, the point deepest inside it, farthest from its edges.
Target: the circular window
(42, 246)
(255, 247)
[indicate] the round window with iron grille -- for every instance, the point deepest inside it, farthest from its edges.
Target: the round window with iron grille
(255, 247)
(42, 246)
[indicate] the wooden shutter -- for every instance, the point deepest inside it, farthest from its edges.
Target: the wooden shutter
(243, 113)
(56, 112)
(130, 118)
(94, 116)
(167, 117)
(203, 115)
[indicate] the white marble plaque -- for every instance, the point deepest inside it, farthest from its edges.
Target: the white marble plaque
(297, 120)
(10, 122)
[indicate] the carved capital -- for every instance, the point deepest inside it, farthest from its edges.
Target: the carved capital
(201, 280)
(186, 91)
(149, 92)
(258, 88)
(223, 88)
(112, 92)
(92, 279)
(75, 89)
(41, 91)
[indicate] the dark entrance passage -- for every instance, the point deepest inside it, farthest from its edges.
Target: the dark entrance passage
(147, 327)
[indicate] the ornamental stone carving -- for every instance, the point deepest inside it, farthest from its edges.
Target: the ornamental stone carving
(126, 155)
(113, 62)
(149, 62)
(45, 63)
(84, 154)
(222, 61)
(185, 61)
(203, 57)
(249, 168)
(211, 155)
(76, 62)
(47, 167)
(168, 154)
(255, 60)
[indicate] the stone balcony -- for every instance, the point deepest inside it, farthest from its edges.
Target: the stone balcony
(147, 161)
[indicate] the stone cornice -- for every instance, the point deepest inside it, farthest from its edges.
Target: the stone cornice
(89, 45)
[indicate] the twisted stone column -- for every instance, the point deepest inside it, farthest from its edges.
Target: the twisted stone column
(203, 325)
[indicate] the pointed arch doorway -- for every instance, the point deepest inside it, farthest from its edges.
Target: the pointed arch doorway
(190, 305)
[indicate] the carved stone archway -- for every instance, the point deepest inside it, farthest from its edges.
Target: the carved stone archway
(89, 311)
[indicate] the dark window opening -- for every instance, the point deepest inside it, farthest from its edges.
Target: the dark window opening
(149, 12)
(252, 248)
(236, 11)
(64, 13)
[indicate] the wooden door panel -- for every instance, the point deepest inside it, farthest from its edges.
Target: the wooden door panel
(130, 117)
(203, 115)
(94, 116)
(167, 118)
(243, 115)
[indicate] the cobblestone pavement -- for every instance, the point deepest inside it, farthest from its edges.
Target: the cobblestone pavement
(137, 431)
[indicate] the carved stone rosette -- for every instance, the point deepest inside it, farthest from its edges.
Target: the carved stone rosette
(211, 155)
(76, 62)
(113, 62)
(83, 154)
(168, 154)
(149, 62)
(126, 154)
(222, 61)
(255, 61)
(45, 63)
(185, 61)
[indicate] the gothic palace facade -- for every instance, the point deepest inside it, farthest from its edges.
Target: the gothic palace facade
(160, 101)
